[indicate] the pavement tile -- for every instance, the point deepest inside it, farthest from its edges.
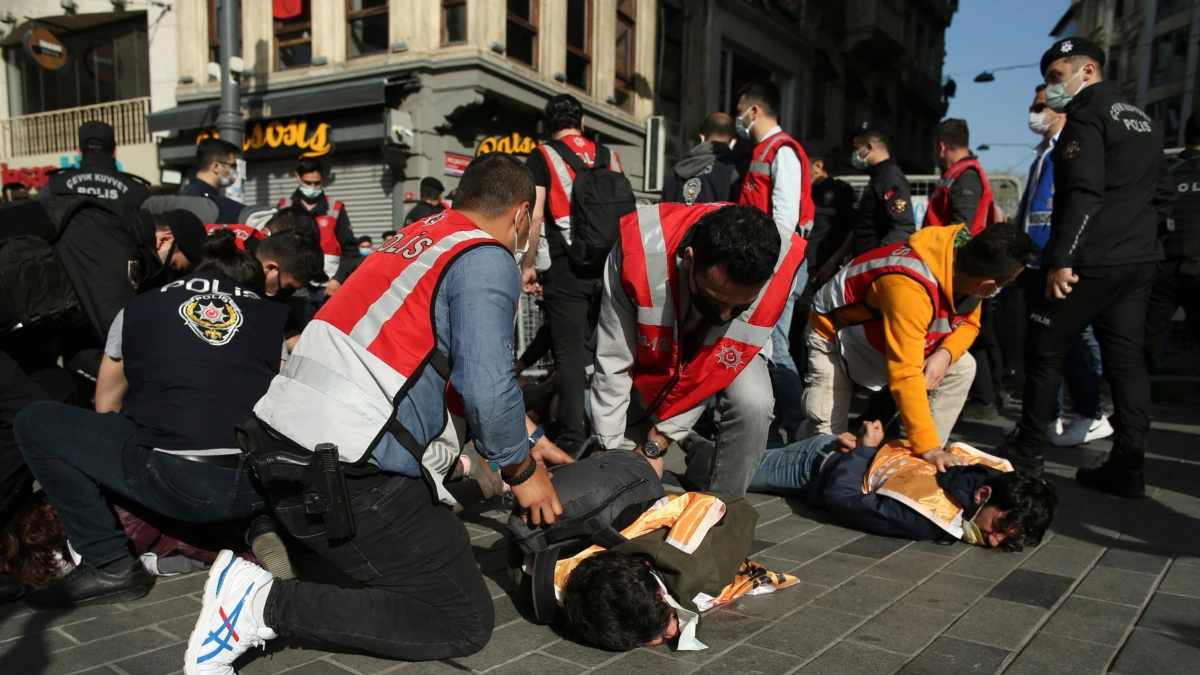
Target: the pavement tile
(874, 546)
(447, 667)
(902, 629)
(720, 630)
(832, 569)
(749, 659)
(279, 656)
(641, 661)
(852, 658)
(948, 593)
(806, 632)
(1181, 580)
(775, 564)
(987, 563)
(1091, 620)
(20, 625)
(165, 589)
(863, 596)
(1059, 655)
(759, 545)
(85, 656)
(586, 656)
(771, 510)
(1173, 614)
(948, 655)
(320, 668)
(508, 643)
(537, 664)
(181, 628)
(1148, 652)
(784, 529)
(997, 623)
(33, 647)
(120, 622)
(908, 565)
(1134, 561)
(953, 549)
(369, 665)
(1032, 588)
(774, 605)
(803, 548)
(837, 532)
(1060, 558)
(1114, 585)
(157, 662)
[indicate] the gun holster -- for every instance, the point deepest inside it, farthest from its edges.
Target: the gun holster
(320, 474)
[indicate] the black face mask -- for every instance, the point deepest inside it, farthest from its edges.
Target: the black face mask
(705, 305)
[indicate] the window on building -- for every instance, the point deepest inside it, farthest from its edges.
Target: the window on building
(293, 34)
(1112, 67)
(1168, 58)
(579, 44)
(1168, 113)
(625, 58)
(736, 72)
(214, 32)
(670, 52)
(1169, 8)
(367, 23)
(454, 21)
(522, 34)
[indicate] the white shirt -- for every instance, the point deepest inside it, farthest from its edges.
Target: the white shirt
(786, 175)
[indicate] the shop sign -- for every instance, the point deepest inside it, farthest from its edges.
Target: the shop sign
(294, 133)
(456, 164)
(45, 48)
(514, 144)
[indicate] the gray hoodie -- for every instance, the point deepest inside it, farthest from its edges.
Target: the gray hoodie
(701, 157)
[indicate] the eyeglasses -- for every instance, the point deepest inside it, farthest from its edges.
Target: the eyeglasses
(1037, 107)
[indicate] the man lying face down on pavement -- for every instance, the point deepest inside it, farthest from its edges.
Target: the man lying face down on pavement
(888, 490)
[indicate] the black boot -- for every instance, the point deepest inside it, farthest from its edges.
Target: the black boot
(86, 585)
(1024, 452)
(1114, 478)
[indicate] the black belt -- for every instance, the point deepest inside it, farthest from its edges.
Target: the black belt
(227, 461)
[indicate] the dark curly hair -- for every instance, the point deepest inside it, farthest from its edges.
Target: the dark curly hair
(562, 112)
(32, 543)
(612, 601)
(742, 240)
(996, 253)
(1029, 504)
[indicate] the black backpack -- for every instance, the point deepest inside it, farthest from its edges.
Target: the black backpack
(600, 198)
(600, 496)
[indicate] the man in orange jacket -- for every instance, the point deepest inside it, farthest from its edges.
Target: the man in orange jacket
(903, 316)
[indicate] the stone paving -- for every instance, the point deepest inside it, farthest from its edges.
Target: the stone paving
(1115, 588)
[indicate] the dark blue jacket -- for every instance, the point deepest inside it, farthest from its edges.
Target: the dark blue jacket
(839, 489)
(228, 211)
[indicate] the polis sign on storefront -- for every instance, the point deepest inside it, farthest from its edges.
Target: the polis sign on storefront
(45, 48)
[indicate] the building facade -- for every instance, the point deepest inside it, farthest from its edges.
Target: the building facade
(62, 68)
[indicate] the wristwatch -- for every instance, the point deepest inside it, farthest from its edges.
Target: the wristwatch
(652, 450)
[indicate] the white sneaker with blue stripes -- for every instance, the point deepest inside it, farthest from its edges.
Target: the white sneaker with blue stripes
(227, 627)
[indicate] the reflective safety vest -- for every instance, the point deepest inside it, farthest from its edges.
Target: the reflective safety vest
(330, 246)
(939, 212)
(897, 473)
(862, 344)
(756, 187)
(650, 243)
(243, 232)
(368, 345)
(562, 178)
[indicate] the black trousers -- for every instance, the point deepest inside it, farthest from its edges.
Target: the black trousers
(989, 369)
(572, 309)
(422, 596)
(1112, 299)
(1174, 288)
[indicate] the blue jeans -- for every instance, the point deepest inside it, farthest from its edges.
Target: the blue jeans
(1081, 369)
(785, 471)
(785, 377)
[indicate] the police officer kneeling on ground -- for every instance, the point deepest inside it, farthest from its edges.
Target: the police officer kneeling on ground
(1100, 261)
(183, 363)
(97, 175)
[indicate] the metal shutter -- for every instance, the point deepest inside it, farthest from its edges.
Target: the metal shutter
(361, 181)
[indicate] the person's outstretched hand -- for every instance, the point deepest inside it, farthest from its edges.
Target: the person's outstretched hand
(943, 459)
(847, 442)
(537, 497)
(871, 434)
(548, 454)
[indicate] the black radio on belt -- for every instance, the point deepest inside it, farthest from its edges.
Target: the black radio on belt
(320, 472)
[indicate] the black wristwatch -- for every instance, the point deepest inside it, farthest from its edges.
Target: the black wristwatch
(652, 450)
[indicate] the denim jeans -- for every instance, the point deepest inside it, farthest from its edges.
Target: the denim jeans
(421, 597)
(76, 453)
(786, 471)
(785, 377)
(1081, 371)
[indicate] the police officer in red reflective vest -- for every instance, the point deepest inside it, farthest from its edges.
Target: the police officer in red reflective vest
(337, 238)
(691, 295)
(432, 308)
(963, 195)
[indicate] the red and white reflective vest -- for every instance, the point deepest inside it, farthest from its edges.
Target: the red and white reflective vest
(330, 246)
(358, 357)
(756, 186)
(668, 385)
(243, 232)
(863, 345)
(939, 212)
(558, 197)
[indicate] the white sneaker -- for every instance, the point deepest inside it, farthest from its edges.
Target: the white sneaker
(1083, 431)
(227, 627)
(1053, 430)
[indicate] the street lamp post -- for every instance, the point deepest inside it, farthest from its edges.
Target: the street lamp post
(230, 125)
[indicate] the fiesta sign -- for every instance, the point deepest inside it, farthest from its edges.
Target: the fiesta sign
(516, 144)
(277, 134)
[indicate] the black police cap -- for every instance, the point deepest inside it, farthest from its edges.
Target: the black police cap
(98, 133)
(873, 127)
(431, 183)
(1072, 46)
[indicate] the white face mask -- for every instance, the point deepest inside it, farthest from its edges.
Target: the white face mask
(859, 161)
(971, 532)
(310, 191)
(226, 179)
(1038, 123)
(1057, 97)
(519, 251)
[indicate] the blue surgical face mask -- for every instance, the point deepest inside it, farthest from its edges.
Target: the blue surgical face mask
(364, 252)
(858, 161)
(743, 131)
(1057, 97)
(310, 191)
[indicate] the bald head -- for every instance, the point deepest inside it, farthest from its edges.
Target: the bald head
(718, 127)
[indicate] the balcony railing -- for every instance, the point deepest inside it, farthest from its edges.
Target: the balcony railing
(58, 131)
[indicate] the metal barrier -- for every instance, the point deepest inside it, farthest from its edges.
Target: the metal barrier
(58, 131)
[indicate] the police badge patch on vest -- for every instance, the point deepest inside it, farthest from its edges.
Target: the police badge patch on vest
(691, 190)
(899, 205)
(213, 317)
(1071, 151)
